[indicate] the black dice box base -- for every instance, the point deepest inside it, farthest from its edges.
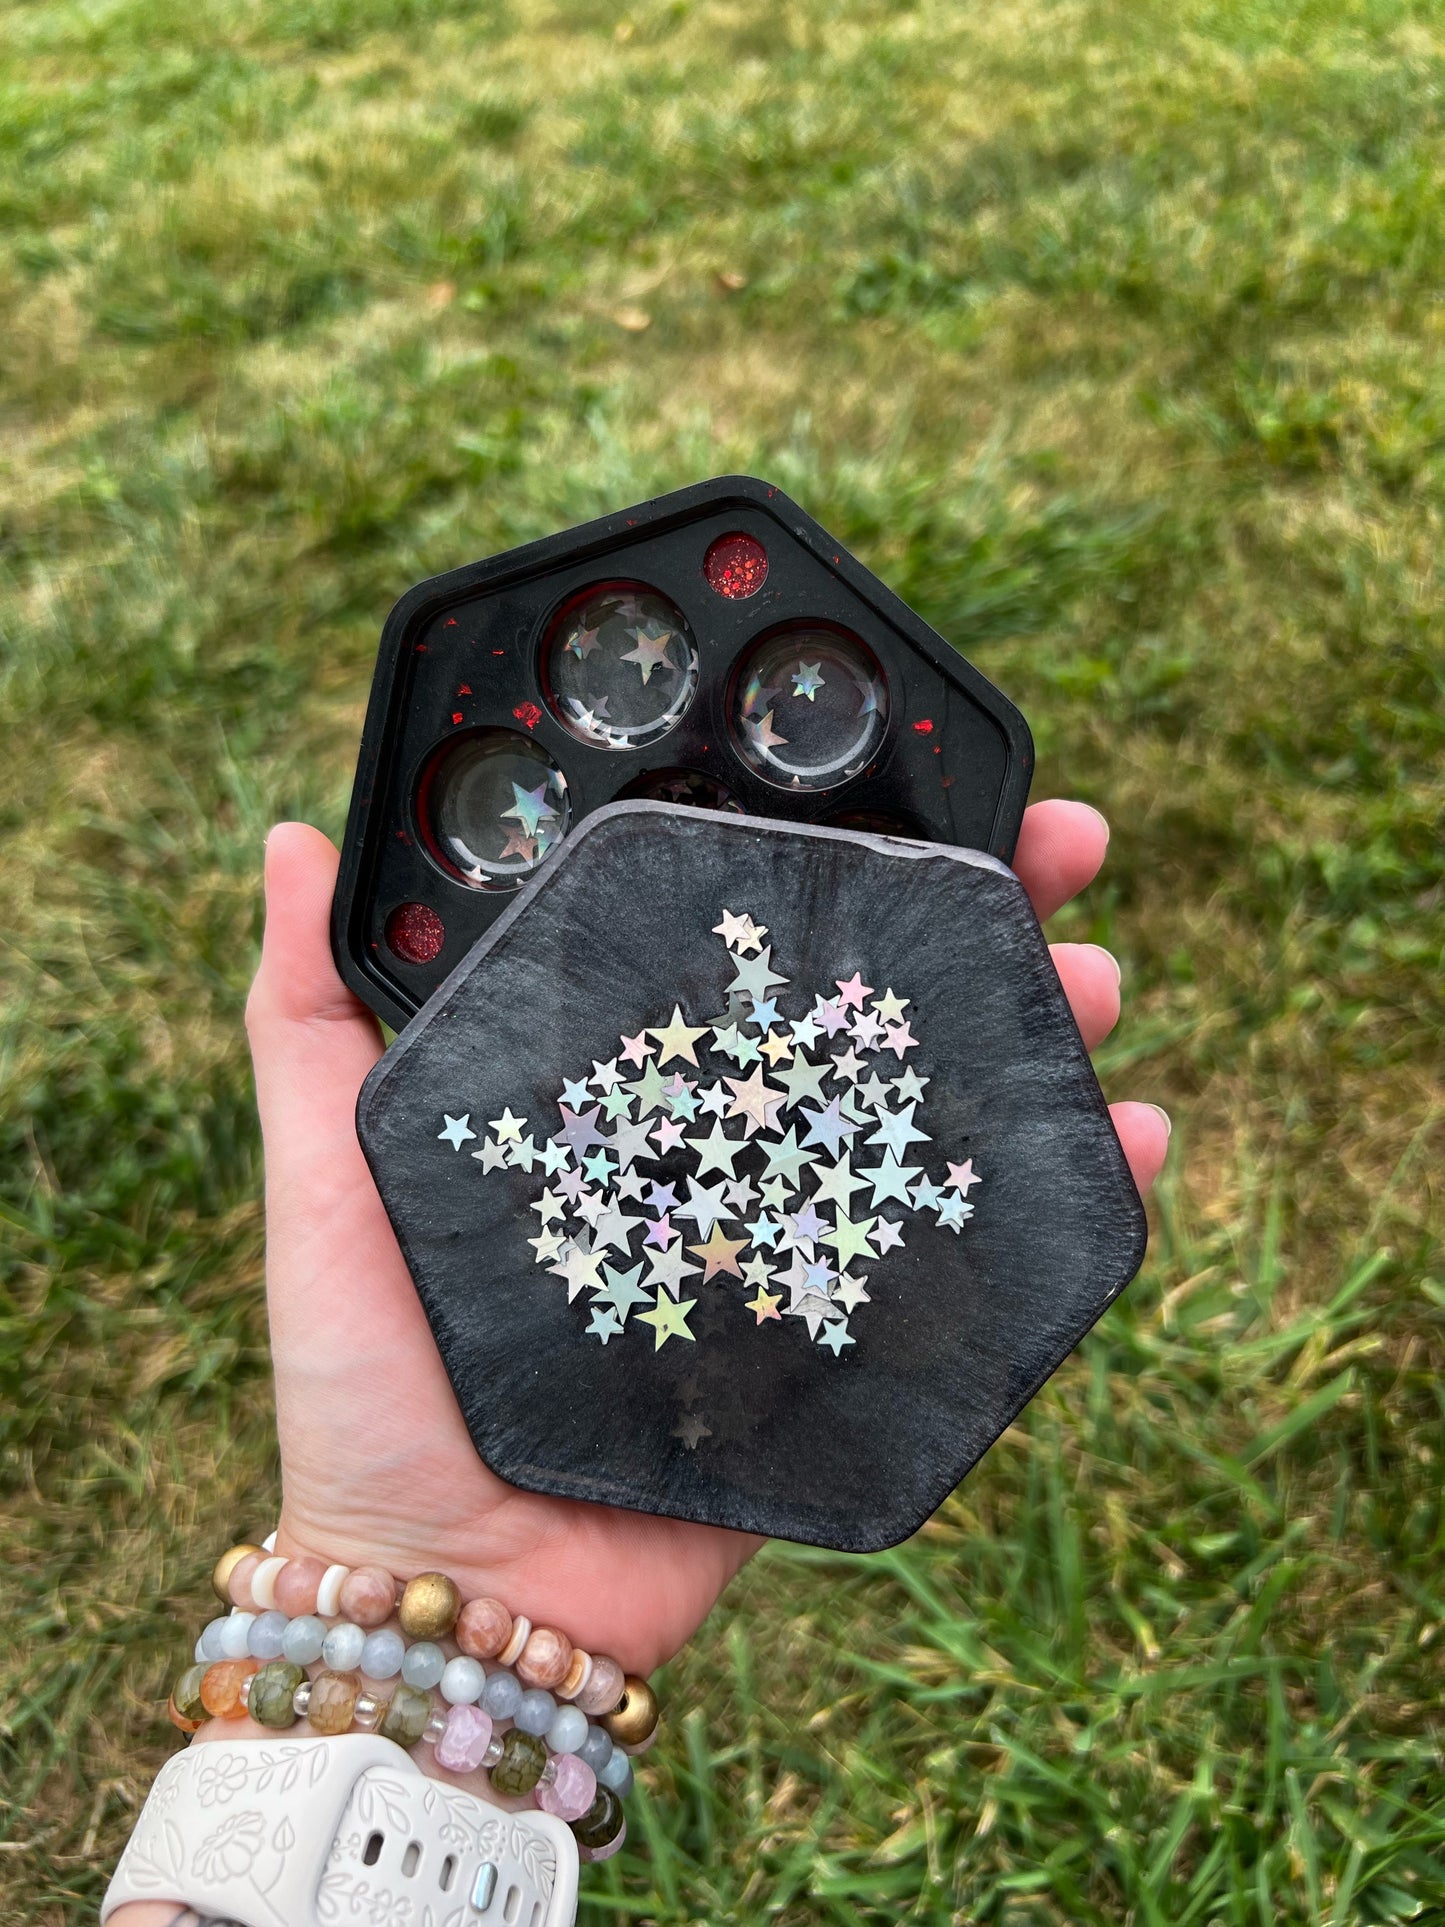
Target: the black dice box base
(752, 1172)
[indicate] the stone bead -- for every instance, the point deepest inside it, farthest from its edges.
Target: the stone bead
(429, 1606)
(567, 1731)
(521, 1633)
(342, 1647)
(179, 1720)
(545, 1658)
(572, 1791)
(297, 1585)
(208, 1646)
(601, 1823)
(239, 1586)
(236, 1635)
(634, 1719)
(502, 1695)
(578, 1674)
(186, 1696)
(269, 1702)
(520, 1767)
(462, 1681)
(382, 1654)
(303, 1639)
(536, 1712)
(463, 1746)
(604, 1689)
(333, 1701)
(266, 1636)
(328, 1593)
(596, 1749)
(406, 1715)
(221, 1688)
(589, 1856)
(483, 1628)
(616, 1774)
(226, 1565)
(368, 1596)
(423, 1664)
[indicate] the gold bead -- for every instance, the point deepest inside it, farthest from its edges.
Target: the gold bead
(226, 1565)
(635, 1718)
(429, 1606)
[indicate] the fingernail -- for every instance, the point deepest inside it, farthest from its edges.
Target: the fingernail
(1103, 820)
(1113, 962)
(1160, 1112)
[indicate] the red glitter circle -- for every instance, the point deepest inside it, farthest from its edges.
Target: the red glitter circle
(736, 566)
(415, 933)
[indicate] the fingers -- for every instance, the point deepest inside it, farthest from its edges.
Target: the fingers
(1061, 847)
(1090, 977)
(1144, 1133)
(312, 1042)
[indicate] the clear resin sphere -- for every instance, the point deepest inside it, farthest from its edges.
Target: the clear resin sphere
(492, 805)
(619, 666)
(809, 708)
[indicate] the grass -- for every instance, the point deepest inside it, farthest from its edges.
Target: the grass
(1110, 336)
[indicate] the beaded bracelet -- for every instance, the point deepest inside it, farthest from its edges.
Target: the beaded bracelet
(278, 1692)
(429, 1607)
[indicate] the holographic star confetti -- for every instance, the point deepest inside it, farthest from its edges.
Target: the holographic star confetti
(756, 1157)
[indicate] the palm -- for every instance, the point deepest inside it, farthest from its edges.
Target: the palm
(377, 1465)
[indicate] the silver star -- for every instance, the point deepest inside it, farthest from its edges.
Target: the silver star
(455, 1131)
(873, 1092)
(888, 1235)
(787, 1157)
(848, 1065)
(704, 1206)
(926, 1195)
(669, 1268)
(953, 1211)
(890, 1179)
(803, 1078)
(606, 1076)
(713, 1102)
(837, 1336)
(491, 1155)
(836, 1183)
(849, 1292)
(896, 1129)
(613, 1230)
(755, 975)
(910, 1087)
(716, 1152)
(621, 1290)
(630, 1142)
(828, 1127)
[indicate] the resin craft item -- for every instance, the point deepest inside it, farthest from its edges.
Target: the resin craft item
(753, 1172)
(714, 647)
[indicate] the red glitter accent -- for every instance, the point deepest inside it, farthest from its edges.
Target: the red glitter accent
(415, 933)
(736, 566)
(465, 689)
(499, 652)
(451, 622)
(924, 728)
(528, 713)
(456, 715)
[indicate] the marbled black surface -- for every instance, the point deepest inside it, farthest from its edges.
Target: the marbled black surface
(753, 1425)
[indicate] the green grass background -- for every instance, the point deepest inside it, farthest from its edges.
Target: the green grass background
(1108, 332)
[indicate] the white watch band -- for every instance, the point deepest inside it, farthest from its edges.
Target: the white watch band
(323, 1832)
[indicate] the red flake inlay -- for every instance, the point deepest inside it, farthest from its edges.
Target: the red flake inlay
(528, 713)
(736, 566)
(465, 689)
(415, 933)
(451, 622)
(456, 716)
(925, 727)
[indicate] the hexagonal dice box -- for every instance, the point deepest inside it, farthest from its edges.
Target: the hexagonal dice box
(752, 1173)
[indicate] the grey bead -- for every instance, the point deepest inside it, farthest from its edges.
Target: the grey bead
(266, 1635)
(304, 1639)
(501, 1696)
(568, 1730)
(617, 1774)
(236, 1635)
(342, 1647)
(423, 1664)
(209, 1646)
(536, 1712)
(596, 1750)
(462, 1681)
(382, 1654)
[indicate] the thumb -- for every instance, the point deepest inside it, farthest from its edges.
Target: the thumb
(312, 1041)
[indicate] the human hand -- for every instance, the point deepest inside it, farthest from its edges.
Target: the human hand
(377, 1466)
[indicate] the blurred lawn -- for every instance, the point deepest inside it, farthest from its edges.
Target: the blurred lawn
(1109, 334)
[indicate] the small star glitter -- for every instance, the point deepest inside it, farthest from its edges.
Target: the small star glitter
(668, 1319)
(691, 1431)
(806, 680)
(745, 1168)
